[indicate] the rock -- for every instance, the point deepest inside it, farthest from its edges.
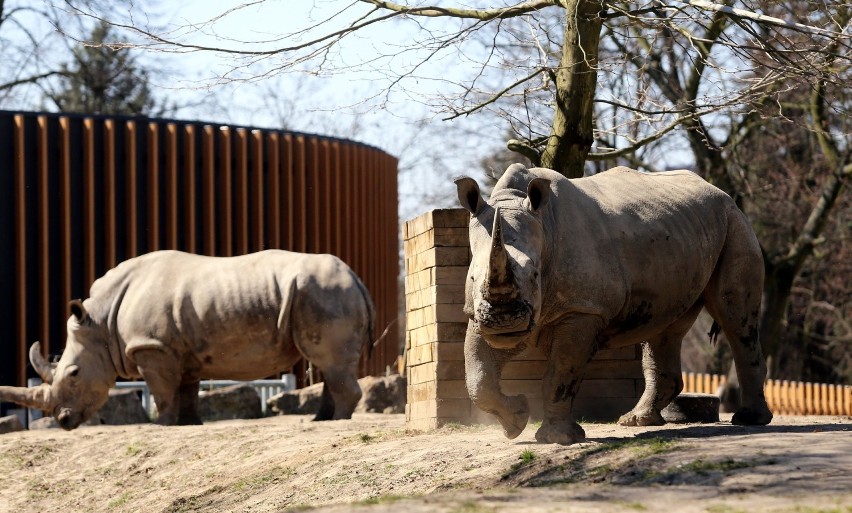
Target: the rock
(123, 407)
(687, 408)
(303, 401)
(226, 403)
(383, 394)
(10, 424)
(380, 395)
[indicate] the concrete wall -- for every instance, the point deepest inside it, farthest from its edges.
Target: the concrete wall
(437, 255)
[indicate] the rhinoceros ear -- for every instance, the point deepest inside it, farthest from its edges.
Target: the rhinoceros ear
(469, 195)
(79, 311)
(538, 193)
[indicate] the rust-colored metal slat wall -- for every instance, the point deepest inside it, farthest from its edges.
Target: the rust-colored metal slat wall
(80, 194)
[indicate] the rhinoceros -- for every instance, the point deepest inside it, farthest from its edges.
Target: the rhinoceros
(174, 318)
(606, 261)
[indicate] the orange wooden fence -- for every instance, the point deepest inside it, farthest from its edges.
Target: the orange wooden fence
(785, 397)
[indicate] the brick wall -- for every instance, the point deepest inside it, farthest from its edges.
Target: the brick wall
(437, 255)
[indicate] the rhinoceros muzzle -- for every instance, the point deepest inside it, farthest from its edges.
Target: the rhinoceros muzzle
(67, 419)
(511, 318)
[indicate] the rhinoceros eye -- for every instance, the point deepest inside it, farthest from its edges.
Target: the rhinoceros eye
(73, 371)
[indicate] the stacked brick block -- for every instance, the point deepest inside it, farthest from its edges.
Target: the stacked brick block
(437, 256)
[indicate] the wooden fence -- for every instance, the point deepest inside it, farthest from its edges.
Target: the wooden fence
(785, 397)
(79, 194)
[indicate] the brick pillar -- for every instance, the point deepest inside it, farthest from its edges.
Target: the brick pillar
(437, 255)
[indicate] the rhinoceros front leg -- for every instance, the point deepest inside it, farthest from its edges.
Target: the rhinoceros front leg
(574, 344)
(162, 372)
(483, 368)
(188, 404)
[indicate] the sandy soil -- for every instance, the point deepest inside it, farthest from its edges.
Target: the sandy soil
(373, 464)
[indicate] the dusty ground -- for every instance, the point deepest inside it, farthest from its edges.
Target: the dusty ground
(372, 464)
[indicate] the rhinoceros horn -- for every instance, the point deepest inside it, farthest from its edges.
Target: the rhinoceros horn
(500, 281)
(36, 397)
(44, 369)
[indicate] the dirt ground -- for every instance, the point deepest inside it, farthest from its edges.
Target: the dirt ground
(373, 464)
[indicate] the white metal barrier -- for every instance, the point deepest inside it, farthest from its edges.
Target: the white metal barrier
(265, 388)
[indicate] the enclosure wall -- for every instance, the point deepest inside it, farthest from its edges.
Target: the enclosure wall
(80, 194)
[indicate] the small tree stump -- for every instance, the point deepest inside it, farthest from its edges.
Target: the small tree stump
(688, 408)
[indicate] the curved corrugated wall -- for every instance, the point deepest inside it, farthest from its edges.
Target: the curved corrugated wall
(79, 194)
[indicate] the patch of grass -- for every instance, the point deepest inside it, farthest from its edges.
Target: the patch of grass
(274, 475)
(366, 438)
(121, 501)
(705, 467)
(470, 507)
(133, 450)
(640, 446)
(723, 508)
(381, 499)
(808, 509)
(526, 457)
(638, 506)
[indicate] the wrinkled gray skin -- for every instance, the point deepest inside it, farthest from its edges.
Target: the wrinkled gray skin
(174, 318)
(607, 261)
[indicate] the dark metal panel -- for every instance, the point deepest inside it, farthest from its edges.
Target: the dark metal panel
(225, 220)
(43, 247)
(208, 190)
(241, 220)
(19, 168)
(109, 191)
(189, 203)
(152, 224)
(170, 172)
(130, 182)
(273, 191)
(256, 200)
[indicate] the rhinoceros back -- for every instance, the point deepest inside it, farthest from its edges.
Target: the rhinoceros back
(231, 315)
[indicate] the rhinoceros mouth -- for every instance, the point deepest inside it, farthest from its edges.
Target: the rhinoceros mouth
(509, 319)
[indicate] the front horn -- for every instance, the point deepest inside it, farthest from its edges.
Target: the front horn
(36, 397)
(44, 369)
(500, 280)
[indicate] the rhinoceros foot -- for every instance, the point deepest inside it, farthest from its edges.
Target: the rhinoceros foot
(563, 433)
(518, 415)
(752, 417)
(642, 418)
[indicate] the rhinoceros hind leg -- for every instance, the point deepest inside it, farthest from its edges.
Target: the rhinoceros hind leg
(662, 372)
(341, 393)
(326, 409)
(733, 300)
(750, 417)
(563, 433)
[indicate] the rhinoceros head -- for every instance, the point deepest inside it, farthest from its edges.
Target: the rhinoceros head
(503, 286)
(78, 385)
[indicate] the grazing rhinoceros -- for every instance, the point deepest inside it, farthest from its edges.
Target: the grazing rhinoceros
(622, 257)
(174, 318)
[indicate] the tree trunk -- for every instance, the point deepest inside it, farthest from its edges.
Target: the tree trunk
(776, 297)
(576, 79)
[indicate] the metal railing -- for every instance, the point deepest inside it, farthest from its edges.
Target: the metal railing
(265, 388)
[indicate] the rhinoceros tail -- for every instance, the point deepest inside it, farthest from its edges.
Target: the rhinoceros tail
(715, 329)
(371, 314)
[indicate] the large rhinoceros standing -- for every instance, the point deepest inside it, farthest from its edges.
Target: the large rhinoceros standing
(619, 258)
(174, 318)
